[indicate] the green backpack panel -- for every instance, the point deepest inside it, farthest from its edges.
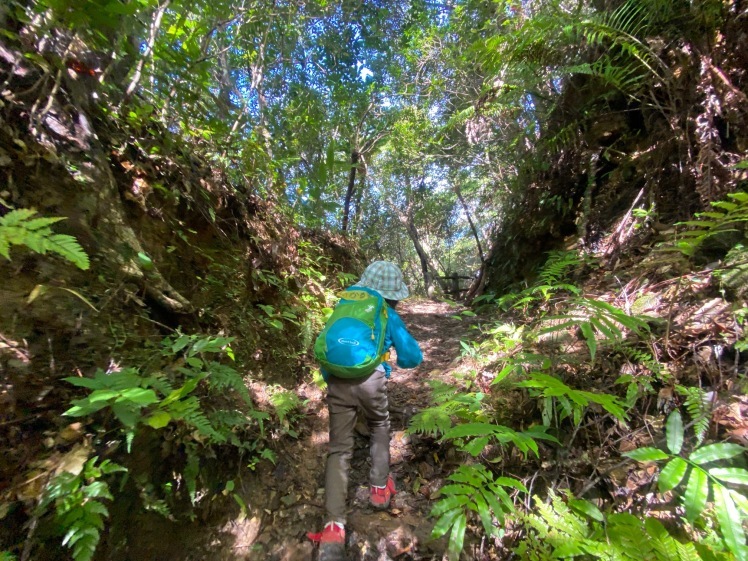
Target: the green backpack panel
(352, 343)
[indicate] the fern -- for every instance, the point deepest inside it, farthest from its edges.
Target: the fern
(472, 490)
(190, 411)
(161, 383)
(450, 402)
(197, 422)
(79, 507)
(699, 479)
(229, 423)
(551, 278)
(595, 319)
(642, 382)
(725, 217)
(284, 402)
(560, 401)
(19, 228)
(556, 269)
(224, 377)
(474, 437)
(619, 32)
(697, 404)
(559, 529)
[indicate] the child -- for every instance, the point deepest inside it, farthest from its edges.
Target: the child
(346, 396)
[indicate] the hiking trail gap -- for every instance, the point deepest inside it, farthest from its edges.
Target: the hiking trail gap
(286, 501)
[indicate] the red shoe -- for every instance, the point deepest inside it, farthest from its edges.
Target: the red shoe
(380, 496)
(331, 542)
(333, 532)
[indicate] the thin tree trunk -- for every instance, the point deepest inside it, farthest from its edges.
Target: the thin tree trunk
(429, 269)
(350, 190)
(155, 26)
(359, 202)
(470, 221)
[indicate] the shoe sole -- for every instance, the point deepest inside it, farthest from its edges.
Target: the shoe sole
(384, 506)
(332, 552)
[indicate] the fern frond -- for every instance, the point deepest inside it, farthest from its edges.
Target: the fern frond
(189, 411)
(432, 421)
(15, 217)
(17, 228)
(69, 248)
(283, 401)
(558, 266)
(726, 216)
(222, 377)
(697, 405)
(557, 531)
(160, 382)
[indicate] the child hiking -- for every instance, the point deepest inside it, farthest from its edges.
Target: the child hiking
(353, 352)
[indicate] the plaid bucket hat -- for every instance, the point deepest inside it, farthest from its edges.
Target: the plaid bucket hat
(386, 278)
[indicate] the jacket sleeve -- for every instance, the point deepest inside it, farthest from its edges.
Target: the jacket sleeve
(408, 352)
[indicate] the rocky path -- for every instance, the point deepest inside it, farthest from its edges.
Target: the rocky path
(289, 501)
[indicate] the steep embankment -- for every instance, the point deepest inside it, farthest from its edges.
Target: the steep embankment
(176, 246)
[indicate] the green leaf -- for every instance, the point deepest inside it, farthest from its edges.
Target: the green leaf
(672, 474)
(125, 413)
(674, 432)
(741, 501)
(586, 508)
(90, 383)
(729, 522)
(571, 549)
(719, 451)
(457, 537)
(69, 248)
(102, 395)
(475, 475)
(83, 407)
(449, 503)
(476, 446)
(470, 429)
(141, 396)
(194, 362)
(589, 336)
(484, 512)
(697, 490)
(457, 489)
(646, 455)
(444, 523)
(738, 476)
(511, 482)
(159, 419)
(494, 504)
(144, 261)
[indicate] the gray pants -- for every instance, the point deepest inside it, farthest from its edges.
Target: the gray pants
(344, 397)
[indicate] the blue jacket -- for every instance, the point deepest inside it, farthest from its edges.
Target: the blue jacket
(408, 352)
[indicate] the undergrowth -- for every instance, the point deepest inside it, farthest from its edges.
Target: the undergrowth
(701, 482)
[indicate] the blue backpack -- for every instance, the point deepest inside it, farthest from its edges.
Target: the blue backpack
(351, 344)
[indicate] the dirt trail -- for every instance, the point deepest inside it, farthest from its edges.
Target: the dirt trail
(293, 494)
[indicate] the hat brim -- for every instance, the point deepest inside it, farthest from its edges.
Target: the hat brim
(400, 294)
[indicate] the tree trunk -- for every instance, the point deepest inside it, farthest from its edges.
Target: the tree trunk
(470, 221)
(351, 188)
(155, 26)
(429, 269)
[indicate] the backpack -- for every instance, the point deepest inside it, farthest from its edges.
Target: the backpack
(351, 344)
